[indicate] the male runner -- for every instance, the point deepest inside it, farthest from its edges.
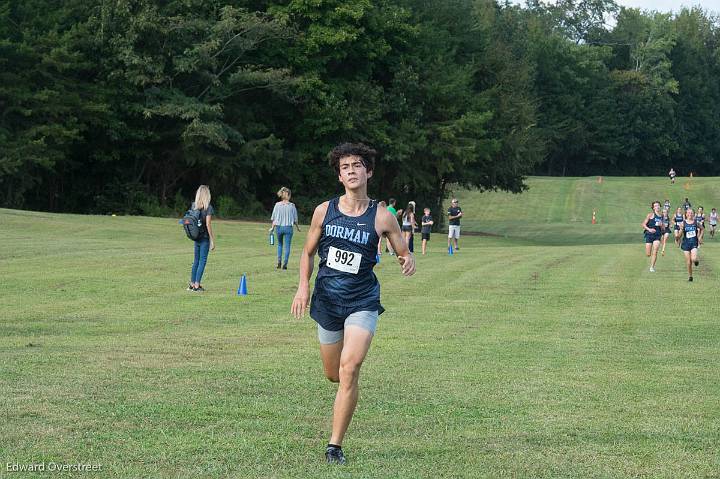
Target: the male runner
(346, 299)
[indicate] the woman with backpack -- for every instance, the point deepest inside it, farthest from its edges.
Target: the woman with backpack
(206, 239)
(284, 216)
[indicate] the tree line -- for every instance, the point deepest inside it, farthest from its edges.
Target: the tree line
(126, 106)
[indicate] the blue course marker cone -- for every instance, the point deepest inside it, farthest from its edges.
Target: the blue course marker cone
(450, 250)
(242, 289)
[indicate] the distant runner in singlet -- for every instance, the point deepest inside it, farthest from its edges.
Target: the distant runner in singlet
(690, 241)
(700, 220)
(653, 227)
(666, 229)
(676, 225)
(713, 222)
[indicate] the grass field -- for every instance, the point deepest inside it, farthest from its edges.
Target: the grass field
(551, 352)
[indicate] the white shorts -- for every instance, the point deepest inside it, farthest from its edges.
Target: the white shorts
(454, 231)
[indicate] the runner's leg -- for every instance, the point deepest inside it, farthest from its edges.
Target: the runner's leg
(356, 345)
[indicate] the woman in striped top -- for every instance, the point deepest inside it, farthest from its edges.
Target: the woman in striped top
(284, 216)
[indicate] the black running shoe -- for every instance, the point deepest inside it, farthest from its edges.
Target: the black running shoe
(334, 455)
(199, 289)
(696, 263)
(690, 279)
(279, 264)
(284, 266)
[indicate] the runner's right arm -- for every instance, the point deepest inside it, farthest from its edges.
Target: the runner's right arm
(307, 259)
(701, 233)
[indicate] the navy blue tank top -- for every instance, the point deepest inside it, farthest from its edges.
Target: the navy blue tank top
(678, 218)
(347, 250)
(654, 222)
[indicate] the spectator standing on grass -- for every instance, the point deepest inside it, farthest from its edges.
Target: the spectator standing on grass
(411, 244)
(408, 223)
(205, 242)
(392, 203)
(284, 216)
(381, 204)
(672, 176)
(427, 223)
(454, 215)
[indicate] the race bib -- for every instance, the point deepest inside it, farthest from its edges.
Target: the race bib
(690, 234)
(342, 260)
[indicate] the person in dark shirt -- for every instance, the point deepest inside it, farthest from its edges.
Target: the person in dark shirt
(427, 223)
(206, 242)
(345, 232)
(690, 241)
(454, 215)
(653, 227)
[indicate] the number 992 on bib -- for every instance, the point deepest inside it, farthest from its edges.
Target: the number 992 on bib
(342, 260)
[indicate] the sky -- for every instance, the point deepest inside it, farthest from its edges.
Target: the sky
(661, 5)
(670, 5)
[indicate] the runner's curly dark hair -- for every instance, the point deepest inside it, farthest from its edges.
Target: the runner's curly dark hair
(367, 155)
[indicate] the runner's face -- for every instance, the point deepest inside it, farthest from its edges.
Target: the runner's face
(656, 208)
(353, 173)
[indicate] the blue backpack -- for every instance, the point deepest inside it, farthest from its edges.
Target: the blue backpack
(192, 223)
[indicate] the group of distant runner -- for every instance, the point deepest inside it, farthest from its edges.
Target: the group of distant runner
(687, 226)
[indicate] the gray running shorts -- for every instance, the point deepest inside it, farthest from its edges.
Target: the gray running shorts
(364, 319)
